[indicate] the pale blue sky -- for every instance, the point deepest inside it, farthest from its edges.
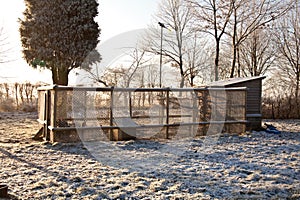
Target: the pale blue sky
(115, 17)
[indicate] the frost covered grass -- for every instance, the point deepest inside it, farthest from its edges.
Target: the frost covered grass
(252, 166)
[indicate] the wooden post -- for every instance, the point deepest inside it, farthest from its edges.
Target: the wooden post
(111, 120)
(46, 114)
(130, 105)
(85, 108)
(203, 102)
(53, 111)
(195, 111)
(167, 112)
(245, 109)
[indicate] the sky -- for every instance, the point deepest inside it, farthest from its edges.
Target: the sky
(115, 17)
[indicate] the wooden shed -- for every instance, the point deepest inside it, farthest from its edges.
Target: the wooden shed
(254, 94)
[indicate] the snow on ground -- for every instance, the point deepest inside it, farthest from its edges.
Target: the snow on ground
(251, 166)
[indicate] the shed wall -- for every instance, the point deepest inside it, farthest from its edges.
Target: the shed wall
(253, 110)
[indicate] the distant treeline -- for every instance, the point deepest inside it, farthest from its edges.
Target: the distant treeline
(23, 97)
(281, 98)
(281, 108)
(18, 97)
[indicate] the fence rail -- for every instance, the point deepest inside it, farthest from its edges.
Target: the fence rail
(135, 112)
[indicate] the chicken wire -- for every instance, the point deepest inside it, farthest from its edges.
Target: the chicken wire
(155, 112)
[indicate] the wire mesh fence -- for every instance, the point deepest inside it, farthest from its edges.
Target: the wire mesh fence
(127, 113)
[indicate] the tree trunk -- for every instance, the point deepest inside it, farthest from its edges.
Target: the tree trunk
(60, 75)
(217, 60)
(16, 93)
(297, 93)
(181, 70)
(238, 61)
(233, 62)
(289, 114)
(192, 80)
(182, 82)
(234, 45)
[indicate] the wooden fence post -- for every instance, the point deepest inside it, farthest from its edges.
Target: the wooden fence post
(167, 112)
(111, 121)
(53, 101)
(195, 112)
(130, 105)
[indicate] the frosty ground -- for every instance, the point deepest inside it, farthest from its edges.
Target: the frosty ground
(258, 165)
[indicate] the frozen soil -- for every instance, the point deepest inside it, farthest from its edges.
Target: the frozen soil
(257, 165)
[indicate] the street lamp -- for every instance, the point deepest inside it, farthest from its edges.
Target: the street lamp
(161, 40)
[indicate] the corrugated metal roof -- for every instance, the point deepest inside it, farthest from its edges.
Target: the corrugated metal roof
(232, 81)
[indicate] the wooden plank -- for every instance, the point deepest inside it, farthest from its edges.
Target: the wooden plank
(96, 89)
(147, 125)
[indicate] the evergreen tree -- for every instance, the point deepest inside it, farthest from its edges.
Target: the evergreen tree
(59, 35)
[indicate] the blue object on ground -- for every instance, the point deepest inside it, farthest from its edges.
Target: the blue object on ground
(271, 129)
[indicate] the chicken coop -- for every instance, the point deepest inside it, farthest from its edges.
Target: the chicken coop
(253, 99)
(72, 113)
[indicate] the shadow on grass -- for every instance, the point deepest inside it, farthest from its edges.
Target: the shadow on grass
(218, 173)
(256, 170)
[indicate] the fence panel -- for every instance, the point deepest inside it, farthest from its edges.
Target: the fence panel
(143, 112)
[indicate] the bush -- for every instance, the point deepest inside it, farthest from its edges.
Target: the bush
(28, 108)
(7, 105)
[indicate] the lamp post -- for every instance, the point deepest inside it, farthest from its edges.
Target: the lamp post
(162, 26)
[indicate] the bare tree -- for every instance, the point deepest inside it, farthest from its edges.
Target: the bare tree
(5, 48)
(278, 99)
(248, 18)
(6, 87)
(256, 54)
(213, 18)
(151, 75)
(29, 88)
(97, 77)
(16, 94)
(124, 73)
(288, 41)
(176, 16)
(137, 60)
(196, 65)
(21, 90)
